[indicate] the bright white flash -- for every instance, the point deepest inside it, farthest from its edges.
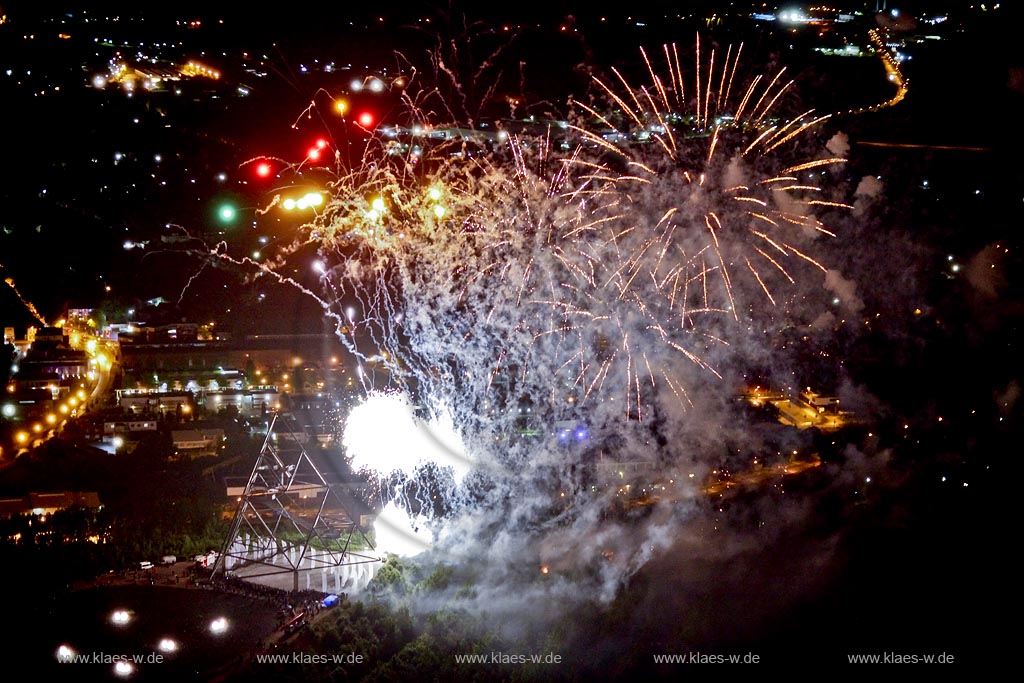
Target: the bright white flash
(396, 532)
(383, 434)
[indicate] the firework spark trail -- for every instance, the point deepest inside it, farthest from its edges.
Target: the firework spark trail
(195, 276)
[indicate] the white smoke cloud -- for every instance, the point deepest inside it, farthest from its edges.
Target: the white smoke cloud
(1006, 400)
(986, 271)
(839, 145)
(868, 190)
(845, 291)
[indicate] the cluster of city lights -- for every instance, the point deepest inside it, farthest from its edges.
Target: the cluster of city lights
(65, 409)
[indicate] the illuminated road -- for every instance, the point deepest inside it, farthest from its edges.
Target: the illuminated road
(762, 475)
(103, 358)
(721, 483)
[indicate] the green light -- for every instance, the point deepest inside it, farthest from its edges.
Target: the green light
(227, 213)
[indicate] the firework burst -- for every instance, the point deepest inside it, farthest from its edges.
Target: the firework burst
(681, 191)
(605, 260)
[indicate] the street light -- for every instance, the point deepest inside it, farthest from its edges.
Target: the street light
(227, 213)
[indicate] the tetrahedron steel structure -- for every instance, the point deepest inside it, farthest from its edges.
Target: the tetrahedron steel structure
(290, 519)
